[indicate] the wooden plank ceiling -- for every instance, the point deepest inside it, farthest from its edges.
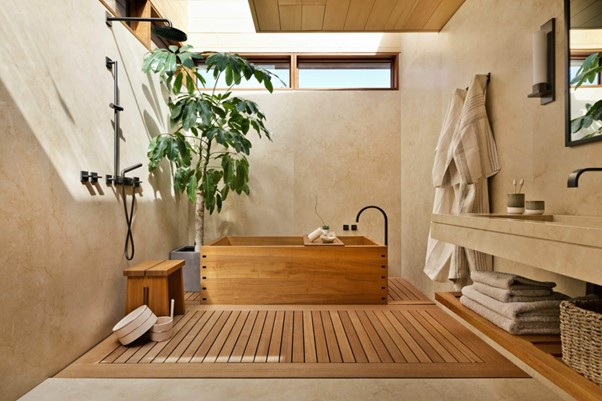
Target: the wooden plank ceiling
(352, 15)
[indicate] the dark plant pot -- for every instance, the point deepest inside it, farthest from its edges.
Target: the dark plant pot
(192, 268)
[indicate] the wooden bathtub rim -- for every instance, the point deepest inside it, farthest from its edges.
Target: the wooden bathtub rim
(289, 241)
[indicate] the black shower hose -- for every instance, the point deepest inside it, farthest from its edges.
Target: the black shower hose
(129, 217)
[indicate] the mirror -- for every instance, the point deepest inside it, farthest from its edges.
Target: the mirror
(583, 20)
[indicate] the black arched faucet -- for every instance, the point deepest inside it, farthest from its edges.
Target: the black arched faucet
(357, 220)
(573, 180)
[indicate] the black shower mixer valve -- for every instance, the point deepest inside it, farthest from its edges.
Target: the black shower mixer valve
(121, 180)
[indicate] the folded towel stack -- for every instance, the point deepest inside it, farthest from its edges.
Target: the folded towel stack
(514, 303)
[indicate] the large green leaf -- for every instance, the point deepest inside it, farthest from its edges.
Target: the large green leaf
(184, 150)
(576, 124)
(177, 86)
(148, 59)
(182, 178)
(228, 75)
(154, 158)
(268, 84)
(191, 188)
(170, 63)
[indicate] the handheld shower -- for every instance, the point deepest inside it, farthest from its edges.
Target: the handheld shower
(129, 215)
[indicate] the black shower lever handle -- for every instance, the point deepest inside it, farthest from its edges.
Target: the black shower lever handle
(115, 107)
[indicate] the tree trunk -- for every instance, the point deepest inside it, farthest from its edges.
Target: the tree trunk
(199, 222)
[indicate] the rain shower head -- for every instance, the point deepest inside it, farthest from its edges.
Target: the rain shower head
(166, 32)
(170, 33)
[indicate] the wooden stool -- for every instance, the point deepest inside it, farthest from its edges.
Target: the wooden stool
(154, 283)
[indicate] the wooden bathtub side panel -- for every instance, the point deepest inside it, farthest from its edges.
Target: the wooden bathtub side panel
(294, 275)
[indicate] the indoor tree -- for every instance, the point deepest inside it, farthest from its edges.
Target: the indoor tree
(207, 142)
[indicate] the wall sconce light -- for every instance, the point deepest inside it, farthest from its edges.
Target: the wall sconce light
(544, 60)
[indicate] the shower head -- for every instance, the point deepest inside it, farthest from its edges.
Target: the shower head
(170, 33)
(166, 32)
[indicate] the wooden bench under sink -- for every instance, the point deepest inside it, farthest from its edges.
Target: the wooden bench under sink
(154, 283)
(541, 353)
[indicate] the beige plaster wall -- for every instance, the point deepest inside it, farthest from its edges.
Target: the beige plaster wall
(493, 36)
(342, 146)
(421, 80)
(61, 255)
(175, 10)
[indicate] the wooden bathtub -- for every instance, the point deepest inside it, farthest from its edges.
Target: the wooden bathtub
(283, 270)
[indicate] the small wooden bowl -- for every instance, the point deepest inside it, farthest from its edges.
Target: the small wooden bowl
(139, 331)
(162, 336)
(132, 321)
(163, 323)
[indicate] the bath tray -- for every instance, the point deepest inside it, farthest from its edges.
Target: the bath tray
(307, 242)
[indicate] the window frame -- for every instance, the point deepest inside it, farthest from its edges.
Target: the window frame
(293, 60)
(393, 58)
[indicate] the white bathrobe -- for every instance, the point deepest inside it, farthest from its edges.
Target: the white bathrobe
(439, 254)
(465, 157)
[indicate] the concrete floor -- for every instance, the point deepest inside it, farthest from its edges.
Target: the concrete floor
(292, 389)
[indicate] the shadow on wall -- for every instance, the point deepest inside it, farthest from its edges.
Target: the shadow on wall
(62, 248)
(53, 244)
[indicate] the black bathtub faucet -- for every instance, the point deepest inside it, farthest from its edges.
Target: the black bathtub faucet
(573, 181)
(357, 220)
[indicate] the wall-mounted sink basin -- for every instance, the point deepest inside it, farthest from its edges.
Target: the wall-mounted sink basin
(568, 245)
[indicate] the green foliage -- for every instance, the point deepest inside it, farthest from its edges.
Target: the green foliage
(207, 144)
(588, 72)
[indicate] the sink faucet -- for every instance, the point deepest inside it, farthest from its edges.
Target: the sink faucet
(573, 181)
(357, 220)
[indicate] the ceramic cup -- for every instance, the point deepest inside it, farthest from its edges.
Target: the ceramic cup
(535, 207)
(515, 203)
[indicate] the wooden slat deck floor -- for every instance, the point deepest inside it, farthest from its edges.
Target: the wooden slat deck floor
(400, 292)
(411, 337)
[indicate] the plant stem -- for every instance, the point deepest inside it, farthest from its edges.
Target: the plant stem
(199, 232)
(316, 210)
(200, 203)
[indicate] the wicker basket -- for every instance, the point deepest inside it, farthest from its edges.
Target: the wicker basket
(581, 336)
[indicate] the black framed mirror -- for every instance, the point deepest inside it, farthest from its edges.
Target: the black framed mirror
(583, 19)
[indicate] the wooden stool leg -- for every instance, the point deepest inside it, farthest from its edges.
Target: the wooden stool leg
(158, 299)
(134, 296)
(176, 291)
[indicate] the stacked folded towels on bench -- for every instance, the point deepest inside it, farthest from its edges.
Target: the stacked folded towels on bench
(514, 303)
